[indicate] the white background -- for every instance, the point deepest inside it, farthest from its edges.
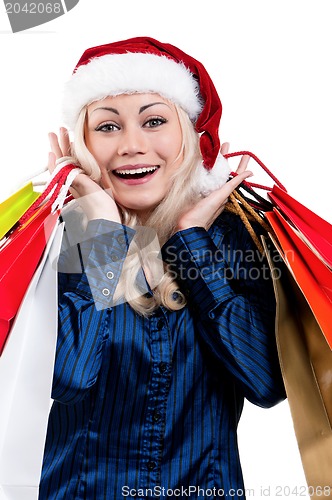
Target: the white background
(271, 63)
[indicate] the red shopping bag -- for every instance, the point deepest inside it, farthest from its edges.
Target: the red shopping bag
(316, 231)
(19, 258)
(313, 229)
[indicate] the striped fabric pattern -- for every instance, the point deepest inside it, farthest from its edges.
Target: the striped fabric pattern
(142, 404)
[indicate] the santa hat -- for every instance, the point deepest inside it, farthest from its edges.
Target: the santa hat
(146, 65)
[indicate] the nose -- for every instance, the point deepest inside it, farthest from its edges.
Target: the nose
(132, 141)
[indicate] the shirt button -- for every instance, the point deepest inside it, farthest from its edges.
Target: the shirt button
(115, 257)
(110, 275)
(105, 292)
(121, 239)
(151, 465)
(162, 367)
(156, 416)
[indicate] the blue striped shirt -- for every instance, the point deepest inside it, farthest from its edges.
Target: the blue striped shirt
(149, 407)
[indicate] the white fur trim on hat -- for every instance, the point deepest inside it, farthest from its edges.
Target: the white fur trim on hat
(115, 74)
(210, 180)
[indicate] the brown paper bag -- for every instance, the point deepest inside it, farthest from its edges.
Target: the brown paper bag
(306, 363)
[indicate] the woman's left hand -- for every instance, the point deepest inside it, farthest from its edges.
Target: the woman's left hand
(208, 209)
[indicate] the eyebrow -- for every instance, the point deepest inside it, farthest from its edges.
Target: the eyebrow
(143, 108)
(113, 110)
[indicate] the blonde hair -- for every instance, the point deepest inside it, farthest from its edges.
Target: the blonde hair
(163, 220)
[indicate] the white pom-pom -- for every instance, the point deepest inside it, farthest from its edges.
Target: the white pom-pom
(210, 180)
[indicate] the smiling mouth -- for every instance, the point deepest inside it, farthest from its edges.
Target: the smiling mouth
(137, 173)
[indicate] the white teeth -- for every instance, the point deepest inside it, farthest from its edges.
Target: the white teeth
(136, 171)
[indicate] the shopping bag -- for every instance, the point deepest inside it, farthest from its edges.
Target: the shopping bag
(22, 250)
(26, 371)
(312, 275)
(306, 363)
(314, 230)
(12, 209)
(19, 257)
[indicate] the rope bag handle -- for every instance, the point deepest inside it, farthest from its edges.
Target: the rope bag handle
(247, 209)
(261, 164)
(242, 208)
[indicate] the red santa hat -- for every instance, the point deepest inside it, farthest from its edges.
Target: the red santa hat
(146, 65)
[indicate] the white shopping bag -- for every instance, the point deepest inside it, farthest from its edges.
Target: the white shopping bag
(26, 371)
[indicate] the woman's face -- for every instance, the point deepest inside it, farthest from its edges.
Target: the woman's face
(136, 140)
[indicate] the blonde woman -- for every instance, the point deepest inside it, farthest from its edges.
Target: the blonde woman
(166, 311)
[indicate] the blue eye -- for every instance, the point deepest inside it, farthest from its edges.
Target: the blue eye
(154, 122)
(107, 127)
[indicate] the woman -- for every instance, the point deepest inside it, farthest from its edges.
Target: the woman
(154, 358)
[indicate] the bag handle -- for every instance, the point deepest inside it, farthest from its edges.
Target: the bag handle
(242, 208)
(261, 164)
(258, 203)
(56, 189)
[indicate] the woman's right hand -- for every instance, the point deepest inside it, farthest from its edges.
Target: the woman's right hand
(207, 209)
(96, 202)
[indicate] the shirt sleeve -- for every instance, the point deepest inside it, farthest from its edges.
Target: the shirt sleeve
(229, 287)
(89, 272)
